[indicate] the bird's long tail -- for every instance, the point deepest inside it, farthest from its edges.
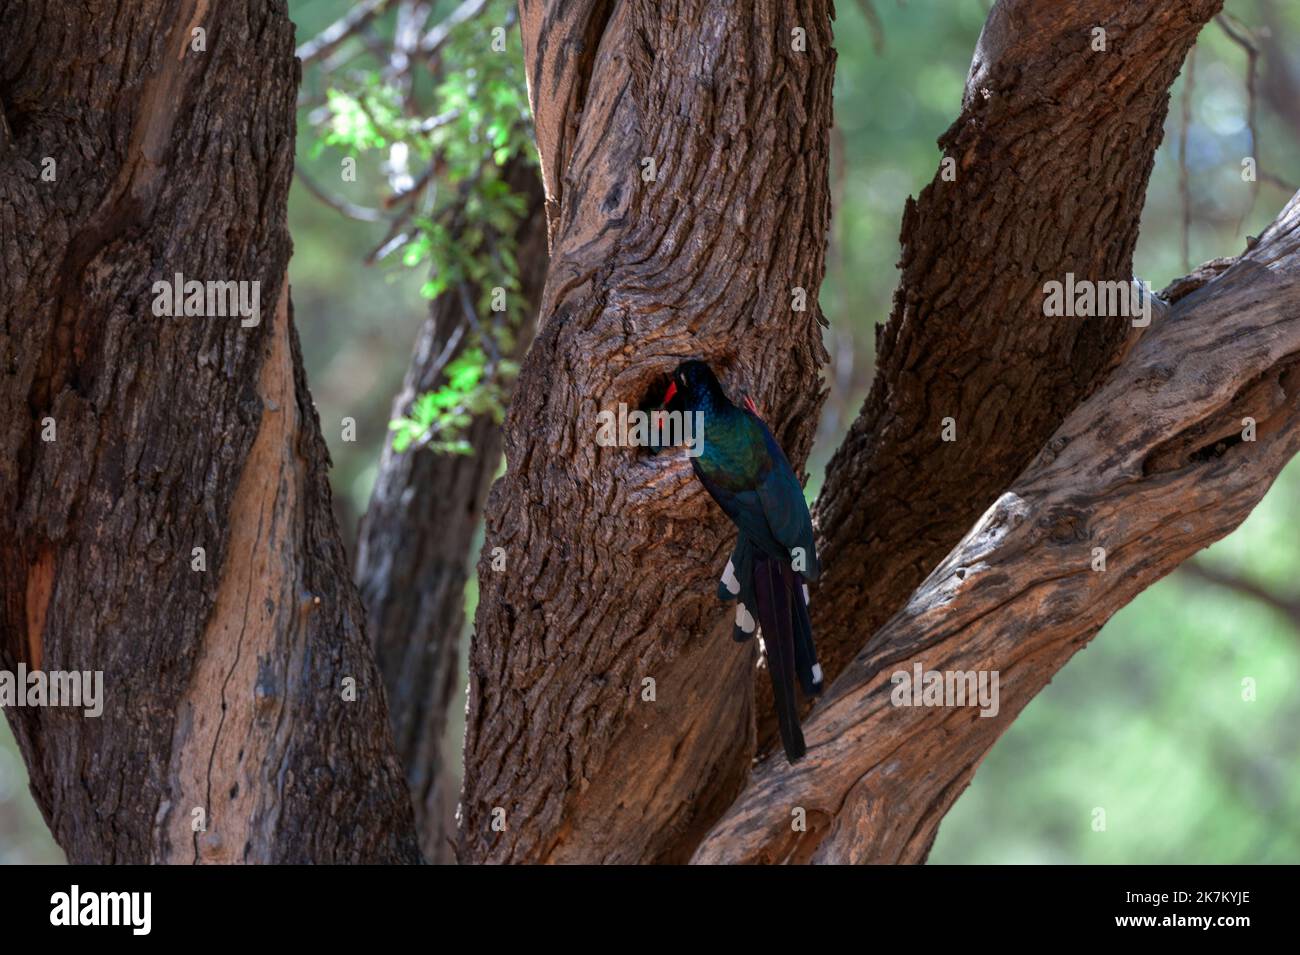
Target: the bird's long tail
(805, 651)
(769, 589)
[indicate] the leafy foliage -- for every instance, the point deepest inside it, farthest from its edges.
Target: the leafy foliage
(458, 216)
(436, 416)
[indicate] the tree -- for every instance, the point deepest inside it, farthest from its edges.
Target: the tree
(166, 517)
(164, 509)
(471, 218)
(416, 541)
(685, 165)
(1044, 174)
(1045, 184)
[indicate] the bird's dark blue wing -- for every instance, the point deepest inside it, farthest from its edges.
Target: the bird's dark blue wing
(786, 512)
(742, 504)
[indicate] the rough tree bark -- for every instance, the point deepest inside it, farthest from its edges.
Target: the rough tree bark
(1053, 150)
(1052, 154)
(415, 541)
(611, 556)
(224, 688)
(1159, 463)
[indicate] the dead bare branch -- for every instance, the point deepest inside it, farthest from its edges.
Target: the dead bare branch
(436, 37)
(1240, 34)
(1184, 177)
(342, 206)
(874, 24)
(333, 35)
(1287, 605)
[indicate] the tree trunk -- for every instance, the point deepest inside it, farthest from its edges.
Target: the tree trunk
(611, 557)
(415, 543)
(228, 733)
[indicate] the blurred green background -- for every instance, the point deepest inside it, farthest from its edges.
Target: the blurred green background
(1147, 729)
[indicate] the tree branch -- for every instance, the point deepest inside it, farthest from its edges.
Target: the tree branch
(436, 37)
(1284, 604)
(342, 206)
(1051, 156)
(1150, 469)
(333, 35)
(1281, 86)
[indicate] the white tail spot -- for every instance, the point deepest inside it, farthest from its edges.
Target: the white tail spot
(729, 579)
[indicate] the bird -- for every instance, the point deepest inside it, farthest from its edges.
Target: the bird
(745, 471)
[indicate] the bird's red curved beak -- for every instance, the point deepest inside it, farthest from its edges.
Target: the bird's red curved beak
(672, 390)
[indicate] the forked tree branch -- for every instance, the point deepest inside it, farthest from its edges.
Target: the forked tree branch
(1046, 174)
(1159, 463)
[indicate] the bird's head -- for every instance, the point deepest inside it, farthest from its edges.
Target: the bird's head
(691, 381)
